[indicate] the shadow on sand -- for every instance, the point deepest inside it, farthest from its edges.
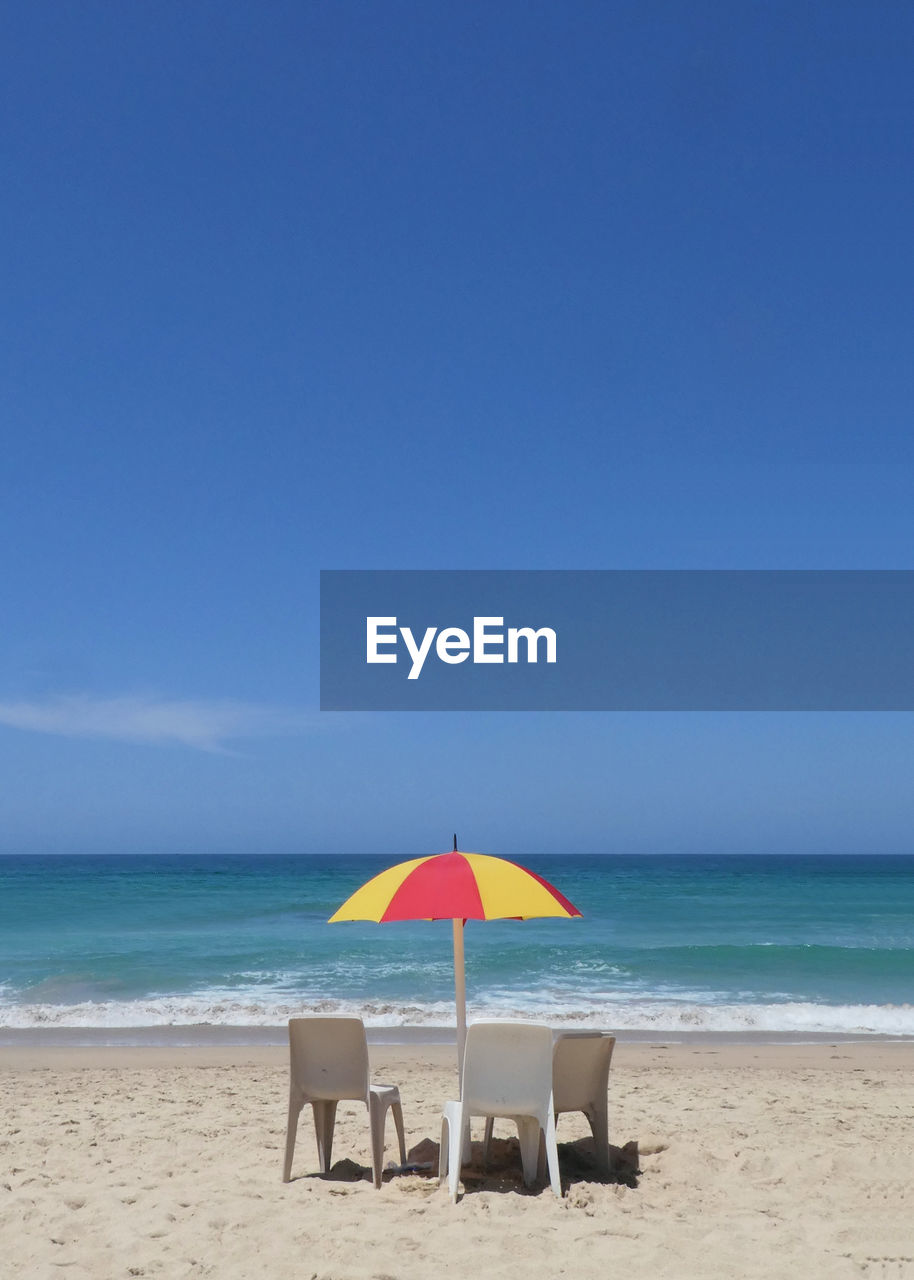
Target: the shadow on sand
(577, 1164)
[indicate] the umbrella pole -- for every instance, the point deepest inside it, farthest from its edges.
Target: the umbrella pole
(461, 992)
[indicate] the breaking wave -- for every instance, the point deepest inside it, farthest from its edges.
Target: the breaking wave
(645, 1015)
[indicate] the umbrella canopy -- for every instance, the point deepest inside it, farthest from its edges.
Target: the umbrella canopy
(459, 887)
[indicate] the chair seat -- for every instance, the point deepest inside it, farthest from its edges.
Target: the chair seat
(387, 1093)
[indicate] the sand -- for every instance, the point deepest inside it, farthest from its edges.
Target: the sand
(775, 1161)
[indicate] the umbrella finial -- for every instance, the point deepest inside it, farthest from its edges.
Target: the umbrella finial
(455, 841)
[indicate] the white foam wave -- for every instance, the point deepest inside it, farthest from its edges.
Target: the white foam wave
(621, 1015)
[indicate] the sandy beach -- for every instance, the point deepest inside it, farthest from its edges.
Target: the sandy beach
(731, 1160)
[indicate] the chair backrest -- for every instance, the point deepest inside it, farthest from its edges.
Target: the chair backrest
(507, 1068)
(580, 1068)
(328, 1058)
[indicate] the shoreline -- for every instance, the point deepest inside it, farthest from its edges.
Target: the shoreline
(204, 1035)
(220, 1048)
(641, 1057)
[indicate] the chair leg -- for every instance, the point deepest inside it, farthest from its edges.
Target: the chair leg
(324, 1121)
(466, 1145)
(377, 1115)
(528, 1132)
(552, 1155)
(454, 1125)
(598, 1119)
(458, 1148)
(397, 1110)
(541, 1157)
(295, 1106)
(487, 1140)
(443, 1149)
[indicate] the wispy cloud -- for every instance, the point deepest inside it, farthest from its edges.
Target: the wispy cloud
(205, 725)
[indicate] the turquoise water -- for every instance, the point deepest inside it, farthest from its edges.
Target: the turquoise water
(717, 943)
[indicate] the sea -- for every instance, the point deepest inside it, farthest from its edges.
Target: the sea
(667, 945)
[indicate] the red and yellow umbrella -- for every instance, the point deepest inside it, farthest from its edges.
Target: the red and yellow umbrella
(459, 887)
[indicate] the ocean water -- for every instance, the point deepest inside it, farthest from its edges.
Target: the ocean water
(770, 944)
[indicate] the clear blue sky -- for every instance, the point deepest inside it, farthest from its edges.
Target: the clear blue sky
(300, 286)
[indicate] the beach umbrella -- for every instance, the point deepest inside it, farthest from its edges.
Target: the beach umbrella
(456, 886)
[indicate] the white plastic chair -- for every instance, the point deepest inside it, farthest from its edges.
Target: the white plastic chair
(507, 1072)
(580, 1079)
(328, 1063)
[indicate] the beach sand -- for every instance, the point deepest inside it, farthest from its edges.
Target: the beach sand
(755, 1160)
